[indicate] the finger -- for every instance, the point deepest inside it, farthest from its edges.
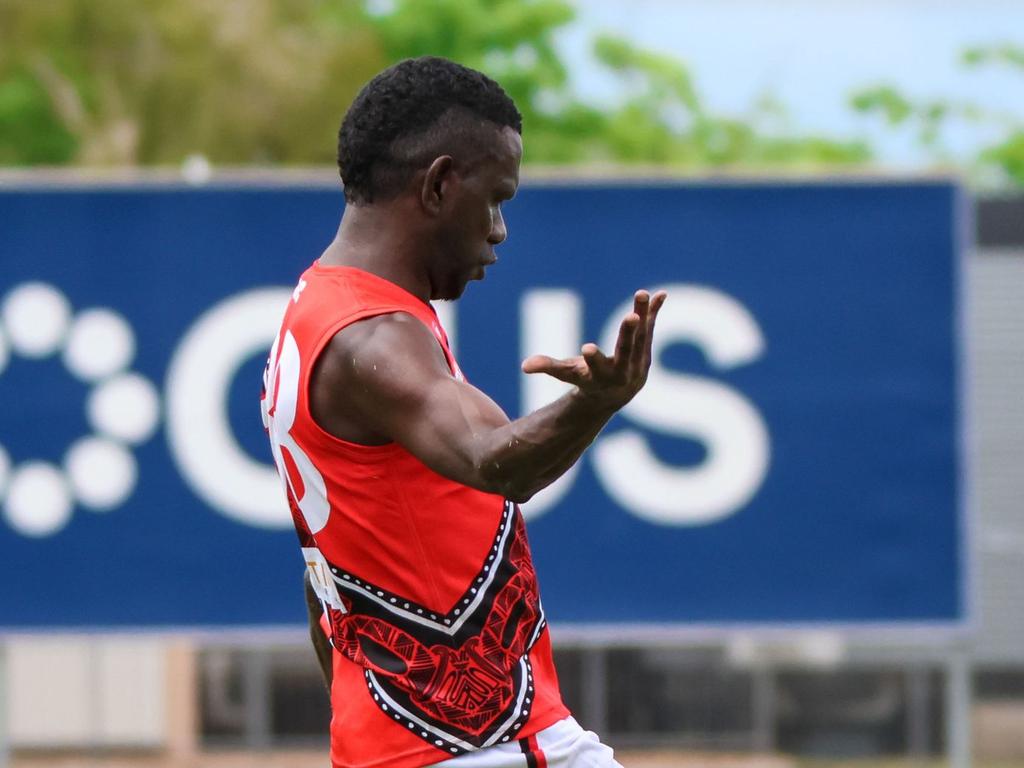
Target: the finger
(570, 370)
(542, 364)
(657, 302)
(627, 337)
(642, 307)
(595, 358)
(650, 305)
(641, 301)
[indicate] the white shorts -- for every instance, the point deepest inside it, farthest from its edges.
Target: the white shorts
(562, 745)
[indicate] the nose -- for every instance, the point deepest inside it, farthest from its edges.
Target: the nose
(498, 230)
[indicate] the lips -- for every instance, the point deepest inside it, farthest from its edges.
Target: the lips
(481, 268)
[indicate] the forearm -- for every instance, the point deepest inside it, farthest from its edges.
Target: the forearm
(526, 455)
(321, 644)
(405, 392)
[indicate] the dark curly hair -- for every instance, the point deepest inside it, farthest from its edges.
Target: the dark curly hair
(411, 113)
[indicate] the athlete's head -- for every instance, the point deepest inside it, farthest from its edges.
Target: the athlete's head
(447, 138)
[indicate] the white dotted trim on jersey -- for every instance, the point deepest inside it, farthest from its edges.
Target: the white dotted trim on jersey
(444, 740)
(451, 622)
(99, 471)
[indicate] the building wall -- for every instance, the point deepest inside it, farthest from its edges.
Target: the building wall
(996, 334)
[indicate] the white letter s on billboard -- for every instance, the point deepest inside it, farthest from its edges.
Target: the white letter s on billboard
(729, 426)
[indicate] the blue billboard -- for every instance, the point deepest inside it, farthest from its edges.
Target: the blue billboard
(794, 459)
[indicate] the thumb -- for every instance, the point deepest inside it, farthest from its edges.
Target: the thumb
(564, 370)
(539, 364)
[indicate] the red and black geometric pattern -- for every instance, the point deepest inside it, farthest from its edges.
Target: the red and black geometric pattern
(460, 680)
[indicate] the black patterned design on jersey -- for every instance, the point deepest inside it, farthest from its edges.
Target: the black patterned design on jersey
(460, 680)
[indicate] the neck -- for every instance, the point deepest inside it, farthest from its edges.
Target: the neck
(378, 239)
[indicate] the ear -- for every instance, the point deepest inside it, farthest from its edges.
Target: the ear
(436, 183)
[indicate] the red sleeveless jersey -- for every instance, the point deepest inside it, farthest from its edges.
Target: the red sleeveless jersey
(441, 646)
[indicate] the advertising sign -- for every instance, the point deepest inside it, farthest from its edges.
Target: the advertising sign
(794, 458)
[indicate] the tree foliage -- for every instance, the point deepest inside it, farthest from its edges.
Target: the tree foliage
(665, 120)
(999, 164)
(150, 81)
(266, 81)
(113, 82)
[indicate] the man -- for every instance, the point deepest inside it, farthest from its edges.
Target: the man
(402, 478)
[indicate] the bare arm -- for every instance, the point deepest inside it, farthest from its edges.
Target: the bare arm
(386, 379)
(321, 645)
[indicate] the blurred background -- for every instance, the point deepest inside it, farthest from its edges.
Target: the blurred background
(870, 155)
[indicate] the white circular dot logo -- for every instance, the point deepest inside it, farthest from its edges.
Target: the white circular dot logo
(124, 407)
(102, 473)
(38, 499)
(100, 344)
(99, 472)
(36, 317)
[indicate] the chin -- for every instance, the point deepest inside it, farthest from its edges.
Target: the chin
(457, 284)
(450, 293)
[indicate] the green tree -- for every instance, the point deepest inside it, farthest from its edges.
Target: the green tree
(666, 121)
(31, 132)
(266, 81)
(999, 164)
(149, 81)
(513, 42)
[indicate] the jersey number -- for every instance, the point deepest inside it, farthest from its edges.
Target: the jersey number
(303, 482)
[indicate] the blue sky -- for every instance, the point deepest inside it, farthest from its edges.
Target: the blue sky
(811, 55)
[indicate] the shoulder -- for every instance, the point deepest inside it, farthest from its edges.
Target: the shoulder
(383, 344)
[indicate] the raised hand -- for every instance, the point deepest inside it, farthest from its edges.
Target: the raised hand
(610, 381)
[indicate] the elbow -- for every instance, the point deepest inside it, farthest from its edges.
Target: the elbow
(517, 490)
(493, 480)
